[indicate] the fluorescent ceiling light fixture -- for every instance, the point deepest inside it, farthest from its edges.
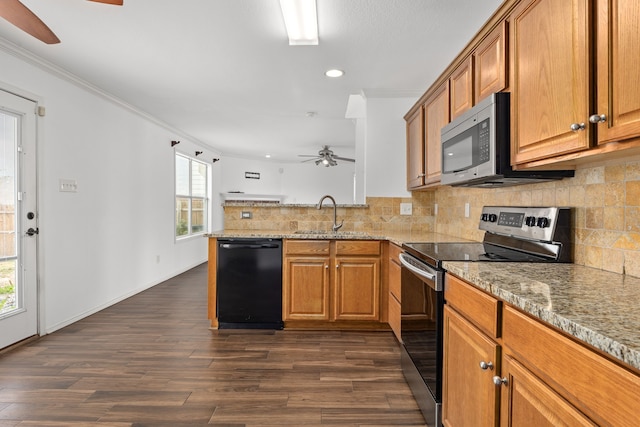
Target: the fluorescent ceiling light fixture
(301, 20)
(334, 73)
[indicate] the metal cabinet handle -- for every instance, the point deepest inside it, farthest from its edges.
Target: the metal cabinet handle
(577, 126)
(486, 365)
(337, 265)
(500, 381)
(326, 266)
(597, 118)
(422, 175)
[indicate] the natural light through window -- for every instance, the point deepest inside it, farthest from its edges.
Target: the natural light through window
(191, 196)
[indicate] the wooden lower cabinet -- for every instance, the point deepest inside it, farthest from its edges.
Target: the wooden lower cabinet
(468, 392)
(357, 288)
(331, 281)
(528, 401)
(395, 286)
(538, 375)
(306, 294)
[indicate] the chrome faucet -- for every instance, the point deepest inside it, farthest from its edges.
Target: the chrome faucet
(336, 226)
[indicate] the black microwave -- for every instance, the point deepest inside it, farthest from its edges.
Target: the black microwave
(476, 148)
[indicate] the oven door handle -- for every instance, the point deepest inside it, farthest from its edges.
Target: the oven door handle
(420, 272)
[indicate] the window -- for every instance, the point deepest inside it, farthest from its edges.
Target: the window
(191, 196)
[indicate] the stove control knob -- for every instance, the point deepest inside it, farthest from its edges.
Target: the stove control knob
(543, 222)
(493, 217)
(484, 217)
(530, 221)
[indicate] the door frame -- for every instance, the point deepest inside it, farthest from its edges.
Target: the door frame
(38, 101)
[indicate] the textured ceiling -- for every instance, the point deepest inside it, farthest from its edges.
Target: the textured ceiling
(222, 71)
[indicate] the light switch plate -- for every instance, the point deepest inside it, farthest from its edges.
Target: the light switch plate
(466, 210)
(406, 208)
(68, 185)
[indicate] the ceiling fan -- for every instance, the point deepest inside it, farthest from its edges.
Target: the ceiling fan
(326, 157)
(19, 15)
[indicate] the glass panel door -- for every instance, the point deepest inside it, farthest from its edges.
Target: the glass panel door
(18, 220)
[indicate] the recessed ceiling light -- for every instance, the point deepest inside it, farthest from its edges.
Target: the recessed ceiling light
(268, 156)
(334, 73)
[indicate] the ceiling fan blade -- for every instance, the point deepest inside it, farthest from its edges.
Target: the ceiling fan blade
(113, 2)
(309, 160)
(308, 155)
(19, 15)
(346, 159)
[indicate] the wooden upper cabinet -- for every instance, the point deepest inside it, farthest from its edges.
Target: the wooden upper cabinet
(436, 115)
(618, 70)
(550, 78)
(461, 86)
(415, 149)
(490, 63)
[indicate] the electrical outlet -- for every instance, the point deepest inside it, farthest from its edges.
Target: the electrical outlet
(406, 208)
(246, 215)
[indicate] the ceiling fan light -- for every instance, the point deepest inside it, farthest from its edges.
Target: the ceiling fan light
(325, 162)
(301, 20)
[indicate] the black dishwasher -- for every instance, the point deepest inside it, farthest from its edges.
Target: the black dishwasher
(249, 283)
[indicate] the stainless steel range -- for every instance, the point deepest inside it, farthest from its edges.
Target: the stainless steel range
(514, 234)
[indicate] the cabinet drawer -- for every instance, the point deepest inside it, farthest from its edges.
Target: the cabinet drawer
(357, 247)
(306, 247)
(394, 253)
(477, 306)
(606, 392)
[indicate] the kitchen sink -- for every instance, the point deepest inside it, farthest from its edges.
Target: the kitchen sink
(332, 233)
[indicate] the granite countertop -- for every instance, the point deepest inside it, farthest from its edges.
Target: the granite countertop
(395, 237)
(595, 306)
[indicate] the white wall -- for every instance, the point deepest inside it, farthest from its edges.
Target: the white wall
(300, 183)
(101, 244)
(385, 160)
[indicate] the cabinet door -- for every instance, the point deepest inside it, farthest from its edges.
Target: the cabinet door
(436, 115)
(306, 288)
(415, 150)
(618, 69)
(469, 396)
(490, 65)
(461, 86)
(527, 401)
(550, 78)
(357, 289)
(395, 283)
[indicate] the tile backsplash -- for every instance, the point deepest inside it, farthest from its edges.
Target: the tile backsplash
(605, 199)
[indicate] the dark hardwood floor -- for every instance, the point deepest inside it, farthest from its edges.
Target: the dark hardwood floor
(152, 360)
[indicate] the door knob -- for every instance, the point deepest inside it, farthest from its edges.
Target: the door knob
(486, 365)
(499, 381)
(32, 231)
(601, 118)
